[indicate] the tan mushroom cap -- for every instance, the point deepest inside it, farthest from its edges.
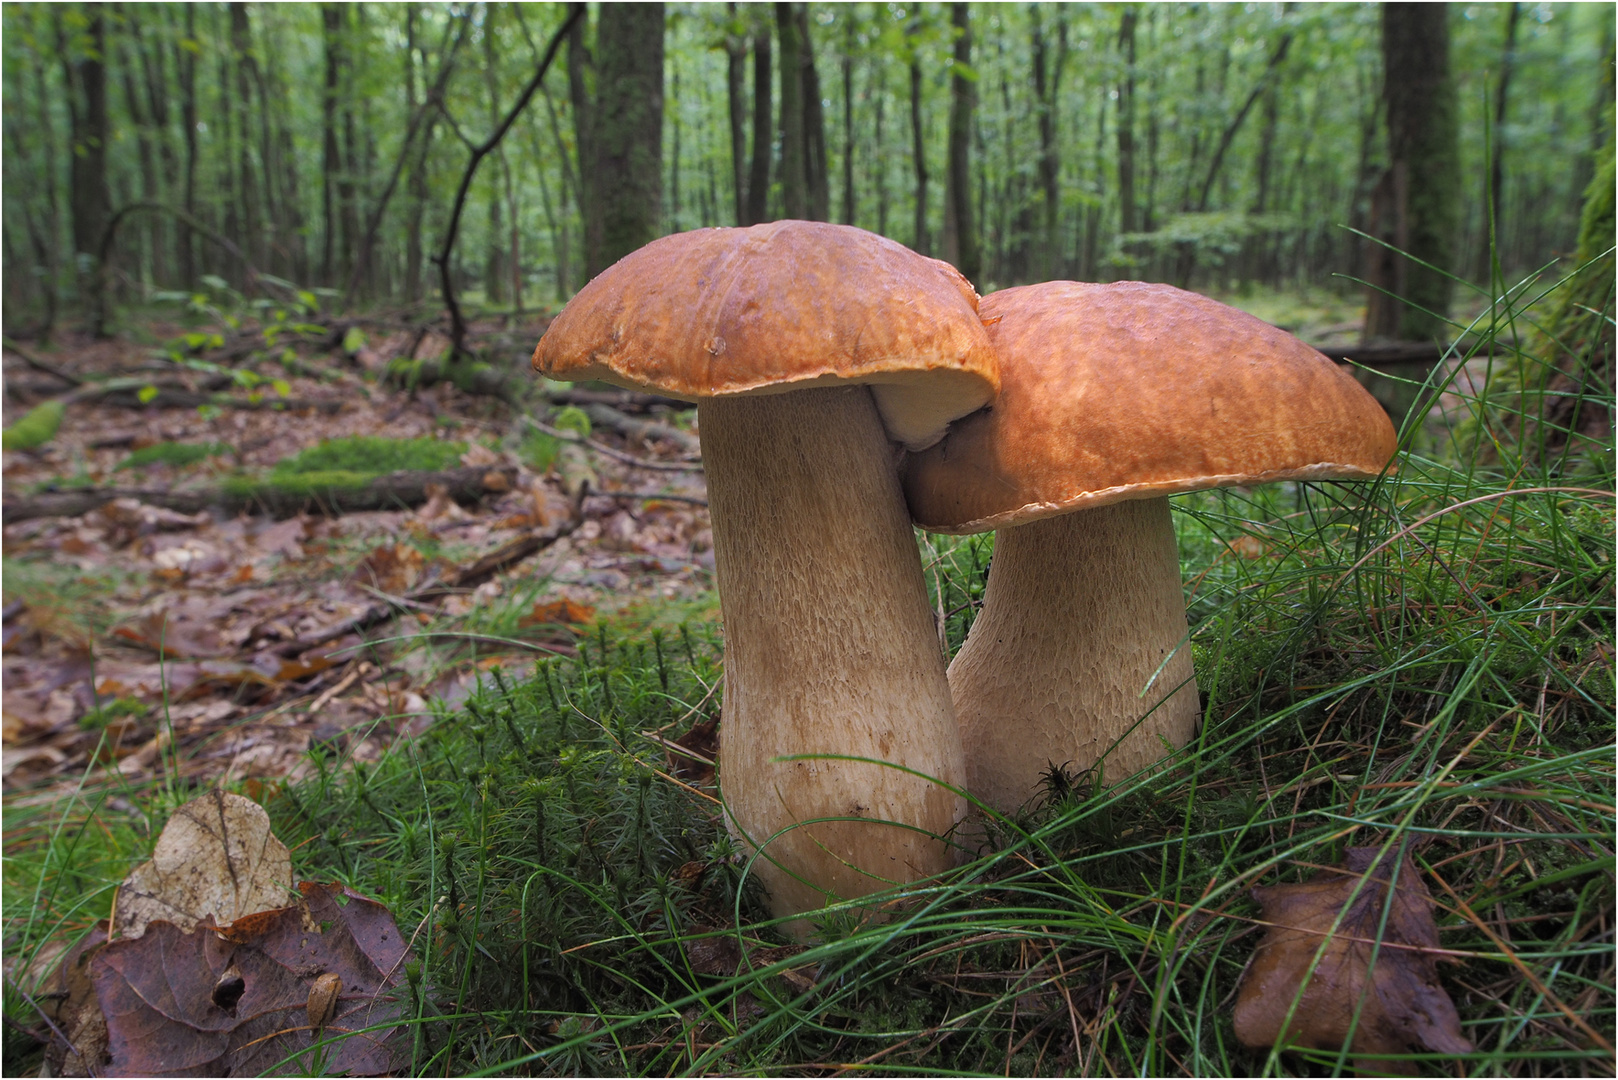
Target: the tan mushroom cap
(1133, 391)
(779, 307)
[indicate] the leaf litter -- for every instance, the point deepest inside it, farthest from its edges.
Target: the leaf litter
(1350, 957)
(137, 638)
(216, 966)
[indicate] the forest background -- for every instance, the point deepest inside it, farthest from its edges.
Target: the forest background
(1214, 146)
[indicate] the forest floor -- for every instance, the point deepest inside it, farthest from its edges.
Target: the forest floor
(134, 631)
(132, 624)
(497, 717)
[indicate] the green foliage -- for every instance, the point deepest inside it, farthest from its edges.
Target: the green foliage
(370, 455)
(36, 428)
(177, 455)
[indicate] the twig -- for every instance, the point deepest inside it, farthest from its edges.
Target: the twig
(653, 496)
(616, 455)
(39, 364)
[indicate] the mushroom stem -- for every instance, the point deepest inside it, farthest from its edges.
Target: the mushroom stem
(830, 648)
(1079, 615)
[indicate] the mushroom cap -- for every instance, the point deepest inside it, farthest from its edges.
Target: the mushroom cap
(777, 307)
(1133, 391)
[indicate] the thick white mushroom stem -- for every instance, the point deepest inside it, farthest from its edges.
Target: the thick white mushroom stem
(1068, 654)
(830, 648)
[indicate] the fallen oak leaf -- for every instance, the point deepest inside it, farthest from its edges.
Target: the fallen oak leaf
(1400, 1005)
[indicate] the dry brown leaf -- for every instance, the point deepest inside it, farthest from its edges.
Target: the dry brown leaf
(216, 858)
(559, 613)
(247, 999)
(391, 568)
(70, 1003)
(702, 745)
(172, 638)
(1401, 1005)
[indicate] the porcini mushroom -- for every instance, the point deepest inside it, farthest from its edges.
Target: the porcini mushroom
(1113, 397)
(808, 347)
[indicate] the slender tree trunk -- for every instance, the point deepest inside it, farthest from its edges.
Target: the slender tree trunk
(878, 146)
(48, 256)
(794, 163)
(736, 94)
(848, 214)
(149, 238)
(1497, 161)
(675, 204)
(918, 146)
(1047, 87)
(249, 234)
(166, 167)
(816, 167)
(89, 197)
(494, 262)
(960, 235)
(1126, 123)
(758, 178)
(330, 162)
(186, 65)
(1418, 192)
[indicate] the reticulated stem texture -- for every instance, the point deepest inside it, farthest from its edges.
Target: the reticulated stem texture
(830, 648)
(1079, 616)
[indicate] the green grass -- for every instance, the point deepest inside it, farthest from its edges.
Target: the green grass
(1424, 661)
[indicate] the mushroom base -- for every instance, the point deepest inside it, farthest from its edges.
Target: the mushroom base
(830, 649)
(1079, 616)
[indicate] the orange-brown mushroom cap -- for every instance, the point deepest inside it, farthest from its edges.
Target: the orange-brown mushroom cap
(778, 307)
(1132, 391)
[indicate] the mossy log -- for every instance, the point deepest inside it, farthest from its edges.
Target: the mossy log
(331, 492)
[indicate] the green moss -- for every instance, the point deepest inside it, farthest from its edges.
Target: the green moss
(367, 454)
(175, 454)
(36, 429)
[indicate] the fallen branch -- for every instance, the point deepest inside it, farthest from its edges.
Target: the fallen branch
(616, 455)
(388, 492)
(607, 416)
(458, 579)
(42, 365)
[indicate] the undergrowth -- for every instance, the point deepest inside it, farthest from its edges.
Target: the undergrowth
(1424, 661)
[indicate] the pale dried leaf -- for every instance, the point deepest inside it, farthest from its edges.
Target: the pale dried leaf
(216, 858)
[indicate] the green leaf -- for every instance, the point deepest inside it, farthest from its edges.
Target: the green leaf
(146, 394)
(354, 340)
(282, 387)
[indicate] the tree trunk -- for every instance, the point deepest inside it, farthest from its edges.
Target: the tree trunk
(816, 167)
(848, 214)
(330, 161)
(794, 159)
(1497, 161)
(918, 146)
(758, 179)
(150, 236)
(186, 63)
(629, 128)
(736, 93)
(250, 236)
(960, 235)
(1417, 196)
(880, 165)
(1126, 123)
(89, 197)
